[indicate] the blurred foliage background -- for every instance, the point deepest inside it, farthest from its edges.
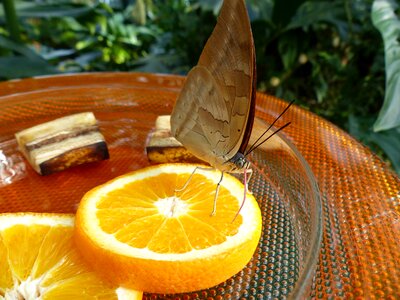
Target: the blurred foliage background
(339, 59)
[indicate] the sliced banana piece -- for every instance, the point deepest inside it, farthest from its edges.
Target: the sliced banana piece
(62, 143)
(162, 147)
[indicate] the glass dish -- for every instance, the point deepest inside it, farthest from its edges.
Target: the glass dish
(127, 106)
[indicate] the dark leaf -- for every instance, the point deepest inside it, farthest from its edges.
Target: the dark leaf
(312, 12)
(60, 53)
(389, 142)
(86, 58)
(288, 50)
(213, 5)
(49, 10)
(260, 10)
(21, 66)
(284, 11)
(18, 48)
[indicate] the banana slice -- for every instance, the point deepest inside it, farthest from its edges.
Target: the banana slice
(63, 143)
(162, 147)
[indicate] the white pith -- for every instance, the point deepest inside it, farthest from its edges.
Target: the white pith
(171, 207)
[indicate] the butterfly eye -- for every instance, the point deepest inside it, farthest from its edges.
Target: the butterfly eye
(242, 162)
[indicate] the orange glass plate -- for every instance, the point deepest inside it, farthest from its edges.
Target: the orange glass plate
(360, 197)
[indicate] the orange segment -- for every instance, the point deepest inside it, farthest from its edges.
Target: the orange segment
(6, 278)
(51, 253)
(38, 260)
(157, 239)
(22, 258)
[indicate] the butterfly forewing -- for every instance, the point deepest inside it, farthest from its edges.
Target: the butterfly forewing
(212, 111)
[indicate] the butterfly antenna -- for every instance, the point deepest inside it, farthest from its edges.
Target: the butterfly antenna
(270, 136)
(254, 146)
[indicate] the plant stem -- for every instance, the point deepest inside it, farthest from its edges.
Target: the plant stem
(12, 20)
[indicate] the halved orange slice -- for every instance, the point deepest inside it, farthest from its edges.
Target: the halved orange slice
(139, 232)
(38, 260)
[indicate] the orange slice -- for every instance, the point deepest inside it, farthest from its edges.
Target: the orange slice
(38, 260)
(138, 232)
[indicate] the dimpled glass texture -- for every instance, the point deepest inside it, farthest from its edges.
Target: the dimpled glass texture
(334, 235)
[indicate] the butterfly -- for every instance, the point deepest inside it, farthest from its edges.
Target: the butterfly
(214, 112)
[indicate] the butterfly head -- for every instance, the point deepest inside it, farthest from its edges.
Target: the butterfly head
(238, 162)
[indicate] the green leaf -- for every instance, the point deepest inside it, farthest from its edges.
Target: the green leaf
(260, 10)
(20, 66)
(60, 53)
(86, 43)
(214, 5)
(48, 10)
(154, 64)
(385, 20)
(311, 12)
(85, 59)
(321, 88)
(139, 13)
(284, 11)
(389, 142)
(17, 47)
(288, 50)
(12, 20)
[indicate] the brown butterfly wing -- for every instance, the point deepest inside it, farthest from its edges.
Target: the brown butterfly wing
(252, 112)
(199, 124)
(217, 93)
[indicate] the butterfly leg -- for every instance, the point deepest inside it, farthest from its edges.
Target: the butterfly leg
(249, 173)
(187, 181)
(191, 176)
(214, 210)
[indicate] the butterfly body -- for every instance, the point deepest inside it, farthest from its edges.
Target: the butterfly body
(214, 112)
